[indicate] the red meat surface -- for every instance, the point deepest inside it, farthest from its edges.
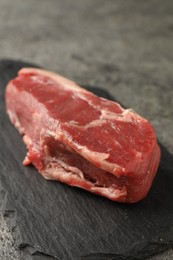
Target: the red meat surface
(80, 139)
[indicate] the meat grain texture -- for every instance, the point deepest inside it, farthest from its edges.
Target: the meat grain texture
(80, 139)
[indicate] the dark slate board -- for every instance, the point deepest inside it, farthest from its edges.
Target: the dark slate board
(52, 219)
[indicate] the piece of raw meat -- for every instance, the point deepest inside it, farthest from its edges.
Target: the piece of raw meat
(80, 139)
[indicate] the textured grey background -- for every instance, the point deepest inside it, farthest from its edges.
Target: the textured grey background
(113, 44)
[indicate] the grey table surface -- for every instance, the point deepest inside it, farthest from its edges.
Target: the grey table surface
(113, 44)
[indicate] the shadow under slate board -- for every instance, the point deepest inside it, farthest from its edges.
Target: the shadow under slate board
(51, 220)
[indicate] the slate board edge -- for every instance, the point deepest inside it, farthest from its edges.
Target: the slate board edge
(27, 252)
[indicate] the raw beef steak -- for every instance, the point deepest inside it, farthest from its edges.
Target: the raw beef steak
(80, 139)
